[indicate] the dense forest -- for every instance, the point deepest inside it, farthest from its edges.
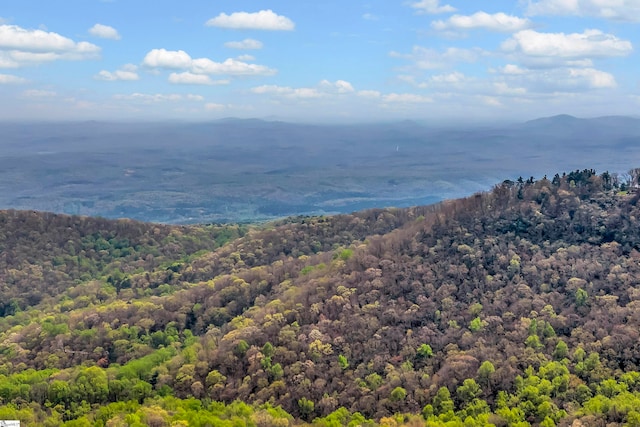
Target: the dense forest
(515, 307)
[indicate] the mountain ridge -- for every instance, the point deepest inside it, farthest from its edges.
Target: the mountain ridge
(511, 306)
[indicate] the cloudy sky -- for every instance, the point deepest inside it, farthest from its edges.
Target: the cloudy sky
(318, 61)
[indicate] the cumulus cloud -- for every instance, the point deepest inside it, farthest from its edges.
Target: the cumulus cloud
(171, 59)
(553, 49)
(553, 81)
(449, 78)
(262, 20)
(499, 22)
(339, 86)
(162, 58)
(104, 32)
(126, 73)
(445, 81)
(189, 78)
(432, 7)
(21, 47)
(512, 69)
(324, 89)
(429, 59)
(287, 92)
(404, 98)
(11, 79)
(230, 67)
(7, 60)
(158, 97)
(620, 10)
(595, 79)
(248, 44)
(504, 89)
(13, 37)
(371, 94)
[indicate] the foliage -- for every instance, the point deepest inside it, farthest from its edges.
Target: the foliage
(513, 307)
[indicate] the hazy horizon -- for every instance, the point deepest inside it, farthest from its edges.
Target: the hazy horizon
(248, 170)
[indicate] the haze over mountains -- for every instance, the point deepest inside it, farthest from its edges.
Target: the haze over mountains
(247, 170)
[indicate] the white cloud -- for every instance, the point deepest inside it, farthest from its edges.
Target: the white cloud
(339, 86)
(595, 79)
(504, 89)
(246, 58)
(10, 79)
(162, 58)
(129, 67)
(210, 106)
(429, 59)
(262, 20)
(21, 47)
(104, 32)
(369, 17)
(620, 10)
(158, 97)
(432, 7)
(7, 61)
(13, 37)
(127, 73)
(324, 89)
(549, 49)
(230, 67)
(248, 44)
(410, 98)
(189, 78)
(554, 81)
(287, 92)
(512, 69)
(450, 78)
(371, 94)
(499, 22)
(36, 93)
(443, 81)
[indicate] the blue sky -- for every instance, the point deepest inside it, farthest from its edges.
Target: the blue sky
(318, 61)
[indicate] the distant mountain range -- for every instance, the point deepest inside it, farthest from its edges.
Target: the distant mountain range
(253, 170)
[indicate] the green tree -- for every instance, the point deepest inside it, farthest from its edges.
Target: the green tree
(398, 394)
(581, 297)
(91, 384)
(485, 372)
(475, 325)
(424, 351)
(468, 391)
(442, 402)
(343, 362)
(561, 351)
(306, 407)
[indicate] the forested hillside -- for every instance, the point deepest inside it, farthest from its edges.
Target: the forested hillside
(519, 306)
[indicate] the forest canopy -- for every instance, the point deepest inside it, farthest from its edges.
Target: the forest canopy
(518, 306)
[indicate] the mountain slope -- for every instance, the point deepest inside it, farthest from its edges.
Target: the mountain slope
(520, 303)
